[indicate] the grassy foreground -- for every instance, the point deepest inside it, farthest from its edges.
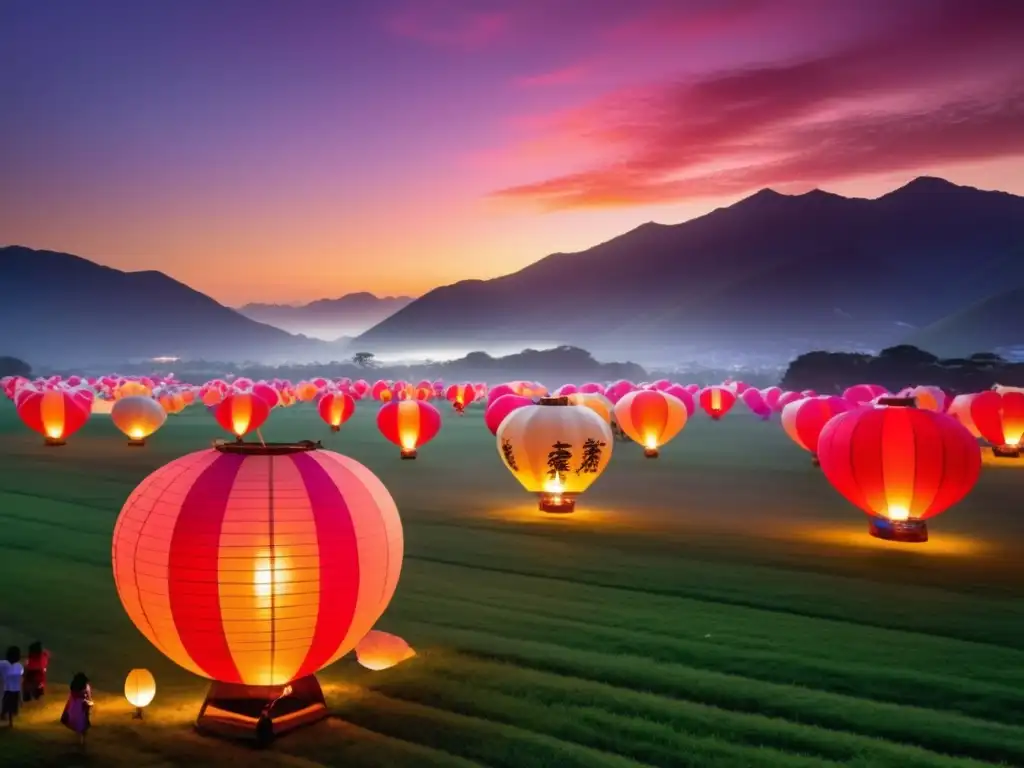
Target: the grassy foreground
(721, 606)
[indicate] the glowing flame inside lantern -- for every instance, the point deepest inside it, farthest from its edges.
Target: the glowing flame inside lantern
(716, 400)
(898, 512)
(554, 488)
(240, 425)
(408, 438)
(269, 575)
(650, 442)
(136, 434)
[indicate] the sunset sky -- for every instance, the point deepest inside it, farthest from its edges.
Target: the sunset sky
(265, 150)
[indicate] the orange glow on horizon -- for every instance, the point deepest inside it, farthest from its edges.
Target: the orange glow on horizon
(487, 242)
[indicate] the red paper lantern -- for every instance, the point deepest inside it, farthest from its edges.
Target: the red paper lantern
(336, 408)
(900, 464)
(716, 401)
(460, 395)
(409, 424)
(651, 418)
(241, 413)
(804, 419)
(999, 419)
(56, 414)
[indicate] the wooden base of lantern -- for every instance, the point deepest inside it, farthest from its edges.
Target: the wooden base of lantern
(54, 442)
(557, 503)
(716, 416)
(137, 714)
(261, 713)
(137, 442)
(1006, 451)
(904, 531)
(650, 453)
(408, 455)
(815, 462)
(335, 428)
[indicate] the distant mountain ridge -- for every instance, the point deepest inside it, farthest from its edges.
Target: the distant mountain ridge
(348, 315)
(61, 309)
(773, 273)
(998, 319)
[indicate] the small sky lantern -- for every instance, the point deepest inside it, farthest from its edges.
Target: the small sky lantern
(804, 419)
(999, 419)
(139, 689)
(555, 450)
(241, 413)
(409, 424)
(716, 401)
(900, 464)
(56, 414)
(335, 408)
(138, 417)
(651, 418)
(460, 395)
(381, 650)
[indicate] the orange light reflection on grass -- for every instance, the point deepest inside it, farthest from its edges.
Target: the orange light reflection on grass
(939, 544)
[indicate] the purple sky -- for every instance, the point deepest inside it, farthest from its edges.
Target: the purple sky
(288, 150)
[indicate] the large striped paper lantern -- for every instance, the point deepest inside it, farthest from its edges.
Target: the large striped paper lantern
(257, 564)
(555, 450)
(409, 424)
(56, 414)
(900, 464)
(651, 418)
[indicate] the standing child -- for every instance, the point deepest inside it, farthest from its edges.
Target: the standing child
(11, 671)
(78, 706)
(34, 685)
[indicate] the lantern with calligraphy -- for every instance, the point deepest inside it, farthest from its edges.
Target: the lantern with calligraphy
(555, 450)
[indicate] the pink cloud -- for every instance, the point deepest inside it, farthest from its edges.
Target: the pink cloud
(448, 24)
(681, 20)
(563, 76)
(898, 99)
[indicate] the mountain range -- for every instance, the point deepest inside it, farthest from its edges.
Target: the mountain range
(61, 309)
(763, 280)
(329, 319)
(771, 276)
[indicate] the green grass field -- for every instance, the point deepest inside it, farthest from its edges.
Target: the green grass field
(721, 606)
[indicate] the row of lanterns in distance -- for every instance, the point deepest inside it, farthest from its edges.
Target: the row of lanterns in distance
(557, 453)
(900, 458)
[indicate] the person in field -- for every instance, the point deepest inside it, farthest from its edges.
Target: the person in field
(78, 708)
(11, 672)
(34, 683)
